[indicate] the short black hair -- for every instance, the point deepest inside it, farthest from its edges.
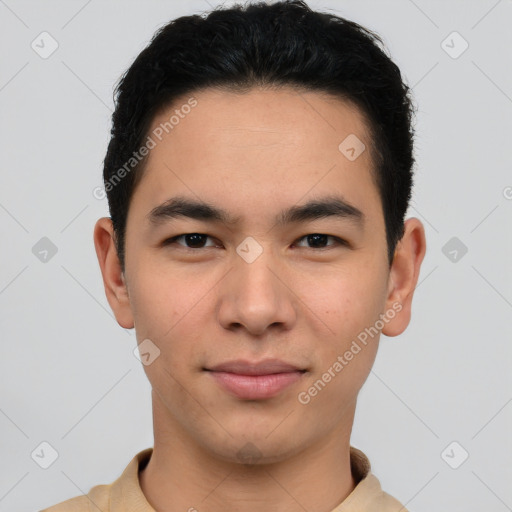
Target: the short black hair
(265, 45)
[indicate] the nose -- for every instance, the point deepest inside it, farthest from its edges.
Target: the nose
(257, 297)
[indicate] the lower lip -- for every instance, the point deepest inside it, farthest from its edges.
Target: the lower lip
(255, 387)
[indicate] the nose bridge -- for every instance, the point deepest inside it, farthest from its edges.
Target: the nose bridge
(257, 279)
(255, 295)
(256, 284)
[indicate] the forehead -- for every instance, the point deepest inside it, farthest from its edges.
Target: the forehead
(259, 118)
(258, 147)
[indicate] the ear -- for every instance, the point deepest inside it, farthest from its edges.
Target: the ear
(113, 278)
(403, 276)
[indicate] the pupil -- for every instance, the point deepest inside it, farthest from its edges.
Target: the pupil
(316, 237)
(196, 236)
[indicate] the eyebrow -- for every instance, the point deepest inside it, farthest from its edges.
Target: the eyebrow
(324, 207)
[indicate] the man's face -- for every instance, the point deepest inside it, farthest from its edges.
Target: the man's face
(257, 288)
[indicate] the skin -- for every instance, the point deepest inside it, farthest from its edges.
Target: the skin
(255, 154)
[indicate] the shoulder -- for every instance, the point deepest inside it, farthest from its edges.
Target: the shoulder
(97, 499)
(377, 500)
(368, 494)
(102, 497)
(384, 501)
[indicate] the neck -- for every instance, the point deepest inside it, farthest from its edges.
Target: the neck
(183, 475)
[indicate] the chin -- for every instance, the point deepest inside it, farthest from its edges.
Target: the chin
(257, 449)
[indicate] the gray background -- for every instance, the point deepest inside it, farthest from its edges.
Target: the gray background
(68, 373)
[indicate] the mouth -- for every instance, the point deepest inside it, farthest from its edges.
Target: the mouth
(255, 380)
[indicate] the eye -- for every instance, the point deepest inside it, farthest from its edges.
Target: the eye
(195, 240)
(319, 240)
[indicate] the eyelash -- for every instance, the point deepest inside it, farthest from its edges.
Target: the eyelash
(173, 240)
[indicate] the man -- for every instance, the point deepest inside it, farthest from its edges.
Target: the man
(258, 176)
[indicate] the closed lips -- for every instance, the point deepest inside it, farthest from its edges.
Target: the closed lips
(265, 367)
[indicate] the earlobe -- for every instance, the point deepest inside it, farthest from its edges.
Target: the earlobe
(403, 277)
(113, 279)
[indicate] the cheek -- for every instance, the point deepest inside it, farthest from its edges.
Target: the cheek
(350, 306)
(170, 311)
(350, 302)
(346, 352)
(159, 303)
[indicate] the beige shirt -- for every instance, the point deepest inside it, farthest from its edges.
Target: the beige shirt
(125, 494)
